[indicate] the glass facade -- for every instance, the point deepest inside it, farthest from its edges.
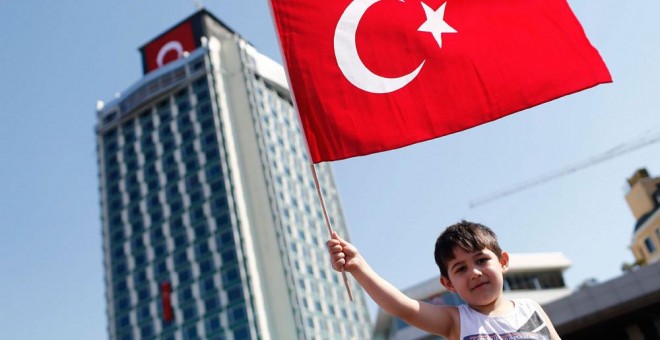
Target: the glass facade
(169, 221)
(176, 212)
(323, 306)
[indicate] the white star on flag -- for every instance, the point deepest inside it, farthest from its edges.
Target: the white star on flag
(435, 23)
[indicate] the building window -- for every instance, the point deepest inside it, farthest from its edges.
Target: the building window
(214, 171)
(140, 259)
(228, 255)
(122, 303)
(190, 312)
(235, 294)
(650, 247)
(192, 182)
(207, 287)
(181, 259)
(225, 239)
(172, 192)
(185, 275)
(176, 225)
(196, 197)
(534, 281)
(146, 331)
(144, 313)
(237, 315)
(160, 249)
(126, 336)
(118, 236)
(242, 333)
(160, 268)
(124, 321)
(120, 269)
(140, 277)
(152, 184)
(212, 324)
(202, 249)
(191, 333)
(206, 266)
(222, 220)
(196, 214)
(156, 234)
(229, 275)
(180, 240)
(211, 303)
(192, 164)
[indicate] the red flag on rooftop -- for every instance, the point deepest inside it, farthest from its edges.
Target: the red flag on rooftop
(374, 75)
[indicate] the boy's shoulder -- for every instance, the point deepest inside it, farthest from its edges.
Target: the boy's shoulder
(525, 303)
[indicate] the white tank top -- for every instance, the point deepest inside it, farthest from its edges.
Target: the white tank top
(523, 323)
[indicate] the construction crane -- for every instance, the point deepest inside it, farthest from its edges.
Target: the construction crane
(616, 151)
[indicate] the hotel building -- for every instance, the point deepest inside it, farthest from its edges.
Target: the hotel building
(212, 228)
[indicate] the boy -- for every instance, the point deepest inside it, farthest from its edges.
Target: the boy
(472, 265)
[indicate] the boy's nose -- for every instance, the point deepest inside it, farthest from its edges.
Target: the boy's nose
(476, 272)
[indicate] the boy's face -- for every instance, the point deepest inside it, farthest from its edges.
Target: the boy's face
(476, 277)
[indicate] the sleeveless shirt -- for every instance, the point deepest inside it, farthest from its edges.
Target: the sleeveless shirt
(523, 323)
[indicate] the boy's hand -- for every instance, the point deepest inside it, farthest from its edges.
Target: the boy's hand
(342, 254)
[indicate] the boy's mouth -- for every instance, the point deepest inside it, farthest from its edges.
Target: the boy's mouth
(479, 285)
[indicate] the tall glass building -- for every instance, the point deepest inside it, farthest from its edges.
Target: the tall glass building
(212, 228)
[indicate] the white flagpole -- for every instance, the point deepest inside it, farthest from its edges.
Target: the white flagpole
(311, 162)
(329, 225)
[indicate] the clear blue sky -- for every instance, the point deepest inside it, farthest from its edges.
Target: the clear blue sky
(59, 57)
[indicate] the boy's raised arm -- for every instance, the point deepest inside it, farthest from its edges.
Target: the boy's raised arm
(441, 320)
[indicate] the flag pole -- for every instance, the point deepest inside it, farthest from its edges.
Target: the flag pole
(329, 225)
(311, 162)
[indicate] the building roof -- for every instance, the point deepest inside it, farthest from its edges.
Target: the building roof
(537, 261)
(199, 13)
(606, 301)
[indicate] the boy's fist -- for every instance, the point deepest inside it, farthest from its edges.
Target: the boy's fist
(342, 254)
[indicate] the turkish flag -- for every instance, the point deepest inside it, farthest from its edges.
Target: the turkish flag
(374, 75)
(169, 47)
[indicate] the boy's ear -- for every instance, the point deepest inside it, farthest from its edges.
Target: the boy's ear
(446, 282)
(504, 261)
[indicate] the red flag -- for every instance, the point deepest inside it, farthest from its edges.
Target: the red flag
(166, 291)
(374, 75)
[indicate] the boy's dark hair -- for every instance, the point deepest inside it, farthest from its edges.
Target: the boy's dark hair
(469, 236)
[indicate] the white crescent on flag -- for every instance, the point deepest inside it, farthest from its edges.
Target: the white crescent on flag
(170, 46)
(349, 61)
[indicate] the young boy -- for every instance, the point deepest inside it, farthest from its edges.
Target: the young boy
(472, 265)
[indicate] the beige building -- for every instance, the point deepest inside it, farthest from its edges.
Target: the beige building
(644, 200)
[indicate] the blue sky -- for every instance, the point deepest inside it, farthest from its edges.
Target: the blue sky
(60, 57)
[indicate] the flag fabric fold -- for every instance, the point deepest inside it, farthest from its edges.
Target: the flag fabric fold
(374, 75)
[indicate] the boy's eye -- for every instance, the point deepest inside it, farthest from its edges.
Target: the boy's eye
(482, 260)
(460, 269)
